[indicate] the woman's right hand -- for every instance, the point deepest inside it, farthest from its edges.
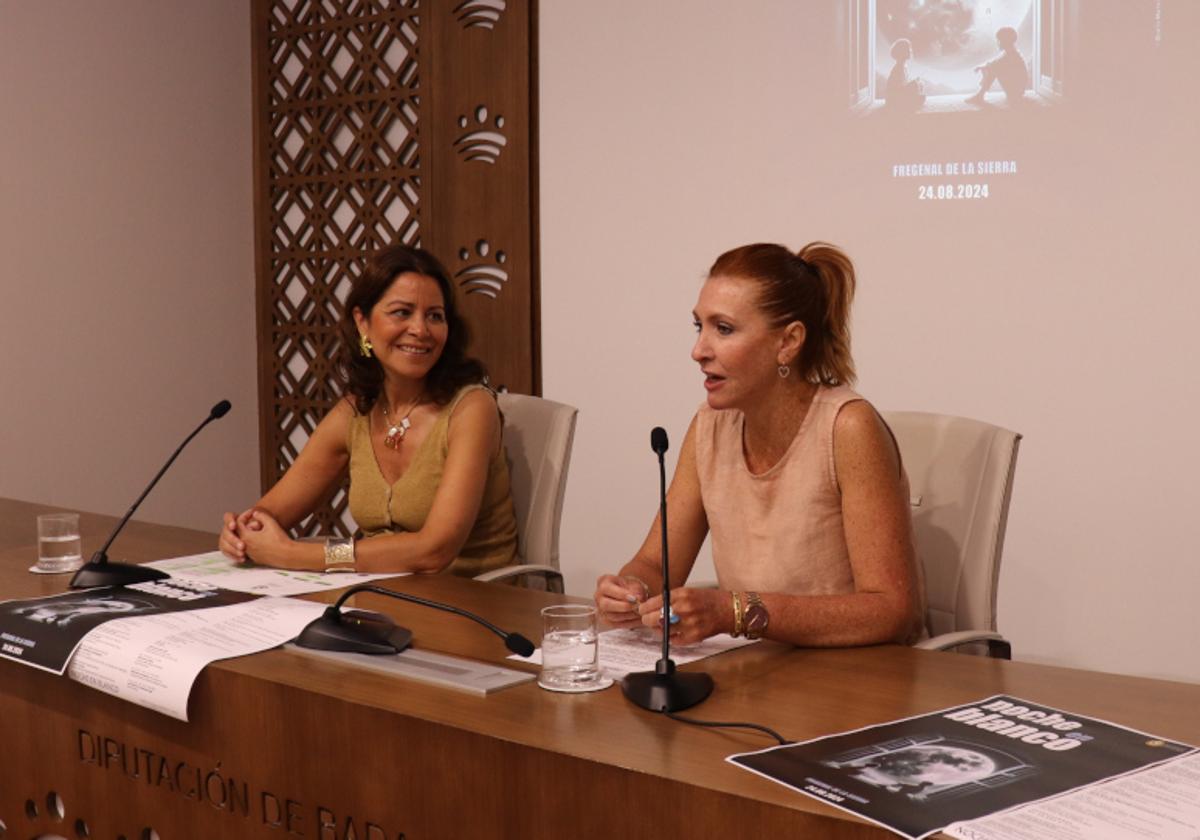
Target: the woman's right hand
(230, 543)
(618, 597)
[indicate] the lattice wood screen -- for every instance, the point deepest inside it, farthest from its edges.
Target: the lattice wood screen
(376, 122)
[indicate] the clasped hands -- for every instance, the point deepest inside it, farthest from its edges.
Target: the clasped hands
(624, 602)
(255, 535)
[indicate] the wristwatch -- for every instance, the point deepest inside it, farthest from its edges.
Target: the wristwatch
(756, 616)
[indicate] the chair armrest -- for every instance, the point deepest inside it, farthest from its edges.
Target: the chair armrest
(552, 576)
(998, 647)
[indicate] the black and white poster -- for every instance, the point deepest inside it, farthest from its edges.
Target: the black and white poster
(44, 632)
(918, 775)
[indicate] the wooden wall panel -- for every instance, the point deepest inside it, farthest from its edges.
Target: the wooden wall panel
(480, 154)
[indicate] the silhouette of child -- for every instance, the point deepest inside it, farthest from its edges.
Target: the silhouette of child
(1008, 68)
(902, 92)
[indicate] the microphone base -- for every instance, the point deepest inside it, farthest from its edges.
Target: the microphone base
(671, 692)
(91, 575)
(355, 631)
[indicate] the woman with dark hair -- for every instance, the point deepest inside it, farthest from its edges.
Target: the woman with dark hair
(796, 478)
(419, 431)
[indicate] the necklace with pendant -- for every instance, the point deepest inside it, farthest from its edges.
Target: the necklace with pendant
(396, 431)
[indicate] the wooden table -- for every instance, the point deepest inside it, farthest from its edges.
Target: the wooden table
(281, 745)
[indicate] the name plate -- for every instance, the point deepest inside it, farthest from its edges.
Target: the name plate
(467, 675)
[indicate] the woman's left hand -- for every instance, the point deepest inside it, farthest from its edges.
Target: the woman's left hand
(702, 613)
(266, 541)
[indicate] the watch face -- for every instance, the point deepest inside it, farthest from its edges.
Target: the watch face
(756, 620)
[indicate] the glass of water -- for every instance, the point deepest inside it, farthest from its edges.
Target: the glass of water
(570, 653)
(59, 546)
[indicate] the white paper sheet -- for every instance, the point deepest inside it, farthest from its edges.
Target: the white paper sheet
(154, 660)
(214, 567)
(629, 651)
(1161, 802)
(957, 766)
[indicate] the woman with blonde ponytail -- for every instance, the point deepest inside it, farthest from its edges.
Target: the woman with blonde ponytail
(795, 476)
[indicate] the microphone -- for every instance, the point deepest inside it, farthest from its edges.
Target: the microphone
(98, 571)
(658, 442)
(363, 632)
(664, 689)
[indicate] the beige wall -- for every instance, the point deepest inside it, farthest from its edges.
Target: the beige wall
(127, 269)
(1063, 307)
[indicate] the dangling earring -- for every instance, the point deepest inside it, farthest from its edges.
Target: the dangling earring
(784, 370)
(364, 345)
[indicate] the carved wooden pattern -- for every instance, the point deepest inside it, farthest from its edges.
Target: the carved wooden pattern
(484, 14)
(377, 122)
(47, 816)
(483, 272)
(480, 155)
(482, 138)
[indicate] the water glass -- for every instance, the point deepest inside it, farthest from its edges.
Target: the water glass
(59, 546)
(570, 653)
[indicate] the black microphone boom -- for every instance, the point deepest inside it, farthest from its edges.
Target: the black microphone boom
(664, 689)
(98, 571)
(363, 632)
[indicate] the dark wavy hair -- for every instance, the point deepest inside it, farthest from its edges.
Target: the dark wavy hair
(362, 375)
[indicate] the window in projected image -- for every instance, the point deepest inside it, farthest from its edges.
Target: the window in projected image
(955, 55)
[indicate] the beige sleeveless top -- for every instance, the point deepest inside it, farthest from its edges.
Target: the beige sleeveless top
(380, 508)
(780, 531)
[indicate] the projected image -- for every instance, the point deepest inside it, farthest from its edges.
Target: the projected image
(925, 56)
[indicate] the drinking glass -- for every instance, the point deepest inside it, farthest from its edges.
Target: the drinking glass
(570, 653)
(59, 546)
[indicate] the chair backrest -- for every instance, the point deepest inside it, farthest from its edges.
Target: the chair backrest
(538, 435)
(960, 473)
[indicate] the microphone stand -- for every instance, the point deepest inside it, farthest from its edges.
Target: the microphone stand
(365, 632)
(98, 571)
(664, 689)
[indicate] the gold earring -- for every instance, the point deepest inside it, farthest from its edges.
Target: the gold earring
(364, 345)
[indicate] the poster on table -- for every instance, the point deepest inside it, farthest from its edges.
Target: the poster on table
(44, 632)
(916, 776)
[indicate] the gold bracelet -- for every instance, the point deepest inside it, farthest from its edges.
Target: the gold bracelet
(737, 616)
(339, 554)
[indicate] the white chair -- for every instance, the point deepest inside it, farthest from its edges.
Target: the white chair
(538, 435)
(961, 475)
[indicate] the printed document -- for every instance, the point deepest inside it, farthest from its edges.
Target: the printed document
(1162, 802)
(44, 632)
(153, 660)
(916, 776)
(215, 568)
